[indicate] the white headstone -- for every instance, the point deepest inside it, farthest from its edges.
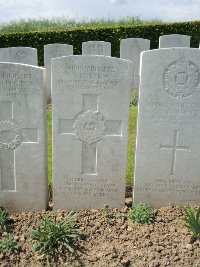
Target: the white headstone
(90, 99)
(4, 54)
(96, 48)
(23, 157)
(131, 49)
(25, 55)
(53, 51)
(174, 40)
(168, 141)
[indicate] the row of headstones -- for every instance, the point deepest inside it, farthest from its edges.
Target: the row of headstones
(27, 55)
(90, 100)
(130, 49)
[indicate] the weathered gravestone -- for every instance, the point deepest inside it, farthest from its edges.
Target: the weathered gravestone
(53, 51)
(167, 168)
(90, 98)
(25, 55)
(174, 40)
(96, 48)
(23, 157)
(131, 49)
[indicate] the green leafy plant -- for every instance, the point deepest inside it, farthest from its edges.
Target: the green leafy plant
(107, 214)
(142, 213)
(4, 218)
(53, 238)
(192, 220)
(8, 243)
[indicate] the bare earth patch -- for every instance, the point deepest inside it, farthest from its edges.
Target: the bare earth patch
(112, 241)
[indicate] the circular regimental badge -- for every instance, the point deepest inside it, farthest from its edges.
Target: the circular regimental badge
(89, 127)
(21, 56)
(10, 135)
(181, 78)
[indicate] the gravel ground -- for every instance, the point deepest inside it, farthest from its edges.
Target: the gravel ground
(112, 242)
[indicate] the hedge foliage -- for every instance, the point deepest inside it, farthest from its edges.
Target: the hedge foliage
(76, 36)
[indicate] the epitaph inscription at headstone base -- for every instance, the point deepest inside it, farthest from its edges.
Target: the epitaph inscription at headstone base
(96, 48)
(174, 40)
(167, 169)
(24, 55)
(53, 51)
(23, 150)
(90, 98)
(131, 49)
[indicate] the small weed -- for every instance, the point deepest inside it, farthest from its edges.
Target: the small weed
(4, 218)
(142, 213)
(134, 96)
(192, 220)
(8, 243)
(53, 238)
(107, 214)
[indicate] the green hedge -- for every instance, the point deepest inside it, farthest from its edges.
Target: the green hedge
(75, 37)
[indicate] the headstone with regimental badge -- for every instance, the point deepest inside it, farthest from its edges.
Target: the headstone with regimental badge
(53, 51)
(90, 99)
(96, 48)
(174, 40)
(167, 148)
(24, 55)
(23, 140)
(131, 49)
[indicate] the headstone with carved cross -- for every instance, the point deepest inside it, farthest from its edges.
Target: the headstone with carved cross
(167, 169)
(96, 48)
(24, 55)
(23, 157)
(174, 40)
(90, 98)
(131, 49)
(53, 51)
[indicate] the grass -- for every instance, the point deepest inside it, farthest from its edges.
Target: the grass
(49, 129)
(131, 145)
(63, 23)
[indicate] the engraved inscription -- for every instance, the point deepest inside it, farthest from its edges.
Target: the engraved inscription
(98, 187)
(181, 78)
(89, 78)
(182, 114)
(17, 84)
(7, 129)
(89, 127)
(99, 49)
(166, 185)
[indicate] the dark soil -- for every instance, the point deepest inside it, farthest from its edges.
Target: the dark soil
(113, 240)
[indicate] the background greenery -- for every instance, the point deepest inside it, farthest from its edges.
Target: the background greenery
(113, 34)
(63, 23)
